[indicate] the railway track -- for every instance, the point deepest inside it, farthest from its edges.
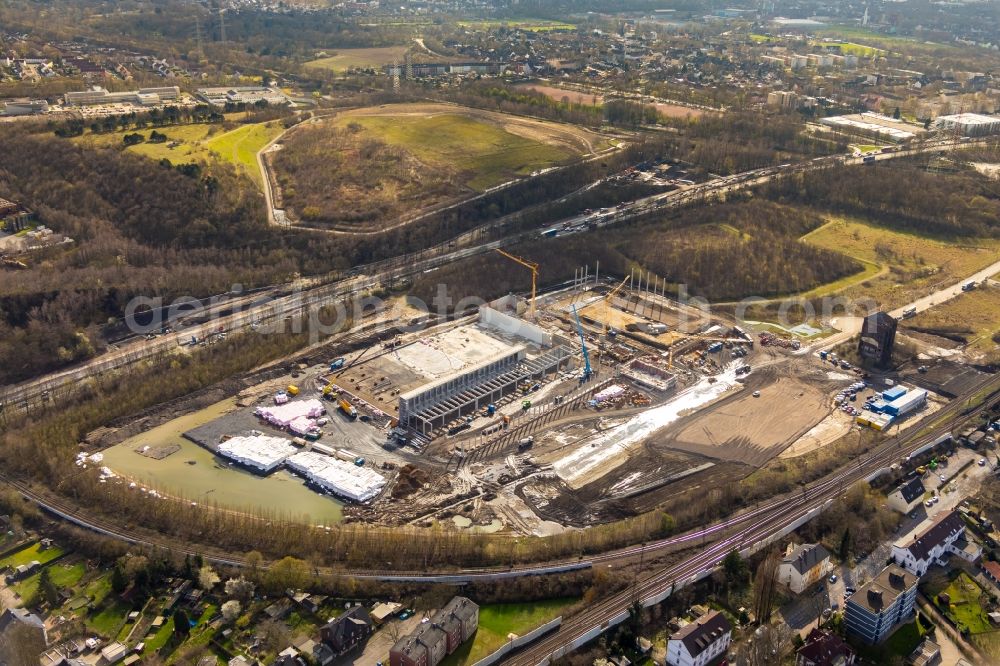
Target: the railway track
(770, 522)
(63, 383)
(741, 530)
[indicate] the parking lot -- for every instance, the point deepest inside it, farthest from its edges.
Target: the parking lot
(801, 613)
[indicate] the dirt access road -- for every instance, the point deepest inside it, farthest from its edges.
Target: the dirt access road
(851, 326)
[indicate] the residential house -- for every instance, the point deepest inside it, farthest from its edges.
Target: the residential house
(942, 537)
(874, 611)
(22, 638)
(908, 496)
(991, 570)
(824, 648)
(700, 642)
(433, 640)
(342, 634)
(804, 565)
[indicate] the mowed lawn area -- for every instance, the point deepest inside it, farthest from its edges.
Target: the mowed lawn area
(967, 605)
(899, 266)
(240, 147)
(497, 621)
(201, 143)
(62, 576)
(482, 153)
(29, 554)
(191, 140)
(345, 59)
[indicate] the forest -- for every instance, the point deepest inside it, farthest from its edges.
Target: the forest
(138, 227)
(901, 194)
(722, 252)
(142, 228)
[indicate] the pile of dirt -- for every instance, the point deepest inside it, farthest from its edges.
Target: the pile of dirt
(410, 480)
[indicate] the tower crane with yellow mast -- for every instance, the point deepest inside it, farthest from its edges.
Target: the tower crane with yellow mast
(607, 302)
(533, 267)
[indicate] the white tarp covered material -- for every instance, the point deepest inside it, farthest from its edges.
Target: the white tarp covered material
(612, 444)
(302, 425)
(356, 483)
(612, 391)
(283, 415)
(258, 451)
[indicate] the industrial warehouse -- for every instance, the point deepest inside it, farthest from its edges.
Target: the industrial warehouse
(554, 412)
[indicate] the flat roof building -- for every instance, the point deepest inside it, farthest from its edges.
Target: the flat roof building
(243, 95)
(969, 124)
(875, 610)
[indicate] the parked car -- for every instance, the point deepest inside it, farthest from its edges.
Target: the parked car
(833, 579)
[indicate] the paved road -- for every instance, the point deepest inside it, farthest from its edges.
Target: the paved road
(851, 326)
(64, 382)
(768, 526)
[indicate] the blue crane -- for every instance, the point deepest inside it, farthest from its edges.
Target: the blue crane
(587, 371)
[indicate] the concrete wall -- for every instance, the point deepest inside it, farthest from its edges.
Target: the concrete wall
(520, 641)
(514, 326)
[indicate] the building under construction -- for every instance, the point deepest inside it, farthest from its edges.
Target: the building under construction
(428, 408)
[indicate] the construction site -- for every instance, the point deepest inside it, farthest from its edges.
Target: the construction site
(540, 413)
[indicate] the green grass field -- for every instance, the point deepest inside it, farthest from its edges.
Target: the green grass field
(967, 605)
(190, 137)
(850, 48)
(240, 147)
(899, 266)
(199, 143)
(29, 554)
(346, 59)
(108, 620)
(62, 575)
(497, 621)
(160, 638)
(485, 154)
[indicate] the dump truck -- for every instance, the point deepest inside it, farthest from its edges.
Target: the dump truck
(347, 408)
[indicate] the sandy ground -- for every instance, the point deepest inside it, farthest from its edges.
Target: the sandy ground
(749, 429)
(827, 431)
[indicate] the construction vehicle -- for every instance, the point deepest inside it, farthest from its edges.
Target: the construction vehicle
(337, 363)
(347, 408)
(292, 390)
(533, 267)
(587, 371)
(525, 404)
(525, 443)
